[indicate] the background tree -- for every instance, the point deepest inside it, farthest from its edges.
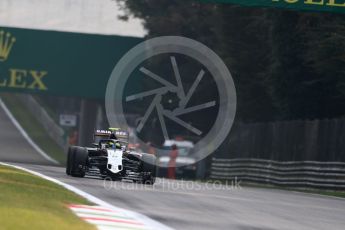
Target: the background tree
(286, 64)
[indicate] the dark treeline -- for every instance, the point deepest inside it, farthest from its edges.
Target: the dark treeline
(286, 64)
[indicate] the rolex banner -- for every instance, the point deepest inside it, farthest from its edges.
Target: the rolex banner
(59, 63)
(314, 5)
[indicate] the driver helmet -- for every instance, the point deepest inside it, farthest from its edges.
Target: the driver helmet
(113, 136)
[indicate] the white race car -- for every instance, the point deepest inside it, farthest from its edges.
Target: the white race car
(110, 158)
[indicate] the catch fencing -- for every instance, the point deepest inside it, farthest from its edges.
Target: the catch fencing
(305, 174)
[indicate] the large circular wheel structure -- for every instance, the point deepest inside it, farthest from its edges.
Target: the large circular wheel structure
(193, 49)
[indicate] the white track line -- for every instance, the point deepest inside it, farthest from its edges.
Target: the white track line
(25, 135)
(152, 224)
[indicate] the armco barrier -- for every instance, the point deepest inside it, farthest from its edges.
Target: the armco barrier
(306, 174)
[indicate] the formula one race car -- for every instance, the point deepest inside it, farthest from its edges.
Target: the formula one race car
(111, 158)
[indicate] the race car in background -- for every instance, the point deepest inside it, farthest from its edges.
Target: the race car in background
(186, 164)
(110, 157)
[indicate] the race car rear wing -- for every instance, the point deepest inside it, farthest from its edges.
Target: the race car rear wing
(120, 134)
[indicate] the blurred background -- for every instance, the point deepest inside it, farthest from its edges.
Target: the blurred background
(288, 68)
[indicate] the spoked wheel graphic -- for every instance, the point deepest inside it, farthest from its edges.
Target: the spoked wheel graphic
(164, 92)
(174, 95)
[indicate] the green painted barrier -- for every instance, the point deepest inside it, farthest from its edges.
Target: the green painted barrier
(59, 63)
(337, 6)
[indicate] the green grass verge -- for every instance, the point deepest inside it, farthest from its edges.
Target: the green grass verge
(33, 128)
(29, 202)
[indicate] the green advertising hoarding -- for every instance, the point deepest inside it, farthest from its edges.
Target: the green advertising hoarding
(59, 63)
(337, 6)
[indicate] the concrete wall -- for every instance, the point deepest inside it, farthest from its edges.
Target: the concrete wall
(53, 129)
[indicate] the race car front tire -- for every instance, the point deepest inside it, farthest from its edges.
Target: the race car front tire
(69, 160)
(149, 169)
(78, 161)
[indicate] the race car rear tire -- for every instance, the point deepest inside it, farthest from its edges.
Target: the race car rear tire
(149, 169)
(78, 161)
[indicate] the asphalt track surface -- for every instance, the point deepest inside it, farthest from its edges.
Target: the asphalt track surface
(182, 205)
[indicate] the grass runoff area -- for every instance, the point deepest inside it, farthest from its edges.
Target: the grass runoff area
(29, 202)
(33, 128)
